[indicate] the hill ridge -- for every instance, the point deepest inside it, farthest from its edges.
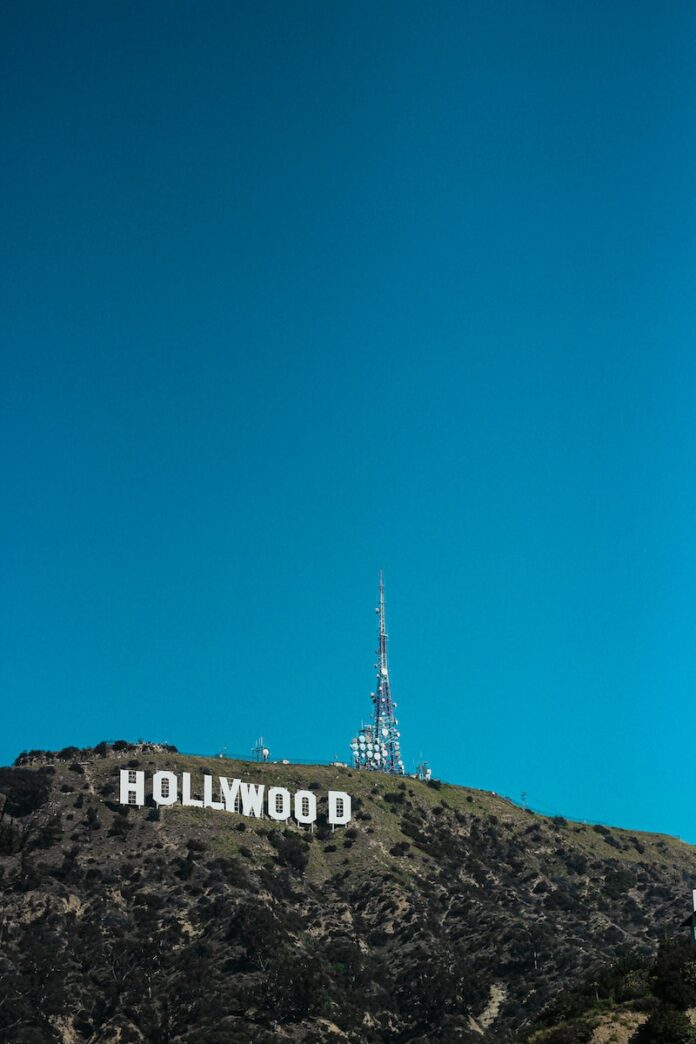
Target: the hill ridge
(403, 926)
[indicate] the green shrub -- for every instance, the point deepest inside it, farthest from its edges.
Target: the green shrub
(668, 1025)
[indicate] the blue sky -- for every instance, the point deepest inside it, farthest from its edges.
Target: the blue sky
(292, 292)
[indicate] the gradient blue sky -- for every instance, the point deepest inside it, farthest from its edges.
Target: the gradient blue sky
(295, 291)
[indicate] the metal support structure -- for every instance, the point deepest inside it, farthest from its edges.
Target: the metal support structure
(259, 752)
(423, 771)
(377, 746)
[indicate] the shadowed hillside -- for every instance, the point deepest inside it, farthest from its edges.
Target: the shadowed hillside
(634, 1000)
(439, 914)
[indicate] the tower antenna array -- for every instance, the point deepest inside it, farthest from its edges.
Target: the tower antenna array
(377, 745)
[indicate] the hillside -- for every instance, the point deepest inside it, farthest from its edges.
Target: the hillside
(439, 914)
(633, 1000)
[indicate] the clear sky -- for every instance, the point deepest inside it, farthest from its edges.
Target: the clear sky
(294, 291)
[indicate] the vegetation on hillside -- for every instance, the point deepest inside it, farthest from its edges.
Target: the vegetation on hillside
(439, 914)
(661, 992)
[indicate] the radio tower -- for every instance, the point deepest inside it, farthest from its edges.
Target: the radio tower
(377, 745)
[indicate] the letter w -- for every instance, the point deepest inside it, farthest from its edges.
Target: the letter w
(252, 798)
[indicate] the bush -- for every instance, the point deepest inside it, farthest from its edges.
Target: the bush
(92, 821)
(194, 845)
(675, 975)
(574, 1033)
(668, 1025)
(68, 753)
(10, 839)
(292, 853)
(26, 790)
(119, 827)
(49, 834)
(618, 882)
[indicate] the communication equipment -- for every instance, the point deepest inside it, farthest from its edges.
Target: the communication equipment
(378, 746)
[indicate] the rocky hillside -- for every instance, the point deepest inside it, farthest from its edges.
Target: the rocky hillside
(634, 1000)
(439, 914)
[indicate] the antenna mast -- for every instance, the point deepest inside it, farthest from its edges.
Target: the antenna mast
(377, 745)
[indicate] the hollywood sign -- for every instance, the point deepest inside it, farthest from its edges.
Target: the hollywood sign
(233, 795)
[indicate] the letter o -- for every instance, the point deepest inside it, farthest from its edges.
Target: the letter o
(279, 796)
(159, 792)
(305, 806)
